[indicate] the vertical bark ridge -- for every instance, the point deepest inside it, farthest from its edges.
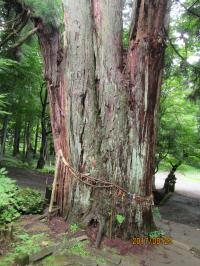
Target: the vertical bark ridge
(145, 63)
(111, 118)
(51, 47)
(81, 94)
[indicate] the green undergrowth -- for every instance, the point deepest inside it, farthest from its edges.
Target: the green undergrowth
(15, 201)
(24, 244)
(9, 161)
(78, 251)
(156, 233)
(79, 248)
(47, 169)
(18, 162)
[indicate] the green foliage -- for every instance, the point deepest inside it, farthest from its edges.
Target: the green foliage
(79, 248)
(120, 218)
(15, 201)
(49, 10)
(178, 135)
(3, 104)
(29, 244)
(48, 169)
(155, 234)
(21, 81)
(100, 260)
(73, 228)
(25, 245)
(178, 127)
(6, 63)
(125, 38)
(3, 172)
(8, 190)
(156, 213)
(29, 201)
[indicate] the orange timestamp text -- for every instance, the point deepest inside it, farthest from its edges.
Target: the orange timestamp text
(165, 240)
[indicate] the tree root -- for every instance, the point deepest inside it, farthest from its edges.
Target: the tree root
(101, 232)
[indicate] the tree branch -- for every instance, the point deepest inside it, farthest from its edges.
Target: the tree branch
(41, 90)
(188, 10)
(23, 39)
(15, 32)
(7, 23)
(177, 52)
(193, 4)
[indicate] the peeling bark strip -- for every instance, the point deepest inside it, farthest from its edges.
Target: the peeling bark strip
(109, 114)
(145, 64)
(50, 42)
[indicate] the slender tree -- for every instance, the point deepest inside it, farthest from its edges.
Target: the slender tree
(43, 148)
(16, 142)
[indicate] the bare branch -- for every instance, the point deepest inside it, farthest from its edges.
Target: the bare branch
(193, 4)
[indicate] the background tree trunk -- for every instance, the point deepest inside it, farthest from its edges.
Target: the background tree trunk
(16, 138)
(4, 136)
(24, 140)
(36, 139)
(28, 140)
(43, 148)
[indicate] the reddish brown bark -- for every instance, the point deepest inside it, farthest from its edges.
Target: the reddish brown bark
(52, 51)
(145, 65)
(103, 117)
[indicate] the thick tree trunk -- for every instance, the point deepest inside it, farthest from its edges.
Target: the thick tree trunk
(51, 47)
(109, 111)
(16, 138)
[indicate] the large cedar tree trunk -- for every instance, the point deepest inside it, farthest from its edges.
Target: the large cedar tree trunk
(104, 114)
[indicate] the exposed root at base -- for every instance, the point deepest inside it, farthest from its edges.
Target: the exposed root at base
(101, 232)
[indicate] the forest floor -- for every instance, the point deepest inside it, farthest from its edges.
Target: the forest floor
(30, 178)
(180, 220)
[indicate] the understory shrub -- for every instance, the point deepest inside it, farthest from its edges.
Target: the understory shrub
(15, 201)
(29, 201)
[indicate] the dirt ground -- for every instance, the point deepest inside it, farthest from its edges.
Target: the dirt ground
(30, 178)
(180, 220)
(184, 205)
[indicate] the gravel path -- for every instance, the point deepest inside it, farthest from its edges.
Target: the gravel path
(184, 186)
